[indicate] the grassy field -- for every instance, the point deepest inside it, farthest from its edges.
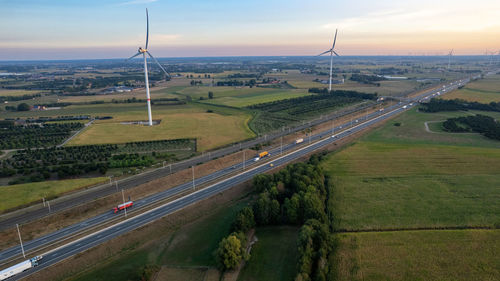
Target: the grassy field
(194, 244)
(190, 246)
(274, 256)
(4, 92)
(412, 130)
(484, 90)
(260, 96)
(21, 194)
(405, 177)
(420, 255)
(212, 130)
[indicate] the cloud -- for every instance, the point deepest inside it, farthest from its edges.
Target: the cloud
(134, 2)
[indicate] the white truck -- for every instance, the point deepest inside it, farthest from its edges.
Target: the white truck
(299, 141)
(20, 267)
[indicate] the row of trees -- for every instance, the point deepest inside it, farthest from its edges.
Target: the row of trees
(367, 79)
(30, 136)
(298, 195)
(482, 124)
(344, 93)
(437, 105)
(64, 162)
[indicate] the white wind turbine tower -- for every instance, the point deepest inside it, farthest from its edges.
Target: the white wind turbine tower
(144, 52)
(449, 58)
(331, 51)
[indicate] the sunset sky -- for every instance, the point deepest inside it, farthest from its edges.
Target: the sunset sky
(69, 29)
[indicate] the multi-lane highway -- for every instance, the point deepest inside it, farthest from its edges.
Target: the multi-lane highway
(37, 212)
(290, 152)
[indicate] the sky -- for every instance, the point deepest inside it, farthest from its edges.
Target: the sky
(92, 29)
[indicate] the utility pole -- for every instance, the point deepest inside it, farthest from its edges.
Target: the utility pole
(20, 240)
(48, 204)
(116, 185)
(281, 147)
(123, 197)
(192, 169)
(243, 159)
(43, 200)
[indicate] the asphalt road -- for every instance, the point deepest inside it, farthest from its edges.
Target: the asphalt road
(91, 240)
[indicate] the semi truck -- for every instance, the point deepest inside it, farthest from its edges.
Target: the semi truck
(123, 206)
(260, 155)
(20, 267)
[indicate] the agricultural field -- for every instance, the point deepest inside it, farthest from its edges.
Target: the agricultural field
(274, 256)
(452, 255)
(405, 177)
(24, 194)
(4, 92)
(211, 129)
(483, 90)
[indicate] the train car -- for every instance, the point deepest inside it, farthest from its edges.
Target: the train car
(123, 206)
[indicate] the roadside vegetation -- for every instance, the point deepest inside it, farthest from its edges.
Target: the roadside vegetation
(19, 195)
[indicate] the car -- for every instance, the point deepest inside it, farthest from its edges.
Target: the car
(271, 165)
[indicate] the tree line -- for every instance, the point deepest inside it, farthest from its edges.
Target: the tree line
(30, 136)
(367, 79)
(482, 124)
(437, 105)
(300, 194)
(30, 165)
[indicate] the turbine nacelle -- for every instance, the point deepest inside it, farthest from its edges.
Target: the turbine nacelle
(141, 50)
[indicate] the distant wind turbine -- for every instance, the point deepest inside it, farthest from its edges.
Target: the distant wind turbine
(331, 51)
(449, 58)
(144, 52)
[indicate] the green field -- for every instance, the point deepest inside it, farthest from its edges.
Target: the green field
(406, 177)
(483, 90)
(412, 130)
(447, 255)
(261, 96)
(13, 196)
(194, 244)
(273, 256)
(190, 245)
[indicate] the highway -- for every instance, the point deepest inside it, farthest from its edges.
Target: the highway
(316, 142)
(37, 212)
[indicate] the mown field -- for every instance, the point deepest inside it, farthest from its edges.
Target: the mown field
(404, 177)
(221, 127)
(274, 256)
(447, 255)
(484, 90)
(21, 194)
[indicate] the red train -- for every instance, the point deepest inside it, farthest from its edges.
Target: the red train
(123, 206)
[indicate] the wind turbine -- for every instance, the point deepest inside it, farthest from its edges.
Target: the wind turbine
(143, 52)
(449, 58)
(331, 51)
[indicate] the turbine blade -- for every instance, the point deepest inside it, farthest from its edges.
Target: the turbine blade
(147, 28)
(336, 53)
(325, 52)
(138, 53)
(334, 39)
(158, 63)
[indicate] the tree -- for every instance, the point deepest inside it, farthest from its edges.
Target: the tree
(23, 107)
(210, 95)
(230, 253)
(244, 220)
